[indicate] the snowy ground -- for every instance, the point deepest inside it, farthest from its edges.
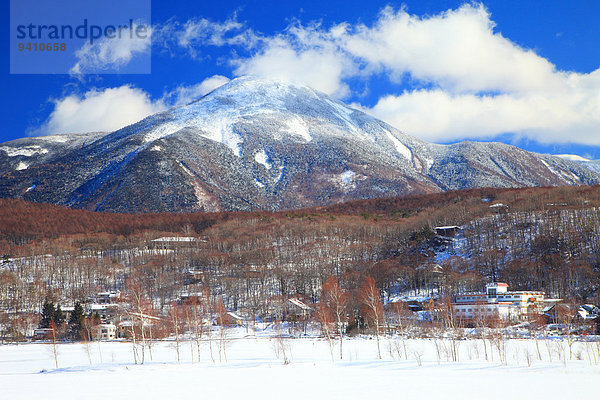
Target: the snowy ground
(254, 371)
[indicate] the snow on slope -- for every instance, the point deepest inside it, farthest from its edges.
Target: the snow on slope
(218, 113)
(289, 110)
(21, 166)
(592, 165)
(26, 151)
(262, 158)
(23, 153)
(572, 157)
(400, 147)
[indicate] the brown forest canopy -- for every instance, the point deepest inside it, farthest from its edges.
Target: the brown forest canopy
(21, 221)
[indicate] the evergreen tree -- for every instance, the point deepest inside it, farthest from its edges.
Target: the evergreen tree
(76, 322)
(48, 313)
(59, 316)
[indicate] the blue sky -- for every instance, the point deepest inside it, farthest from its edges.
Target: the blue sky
(525, 73)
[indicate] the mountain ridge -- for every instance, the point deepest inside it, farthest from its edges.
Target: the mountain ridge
(257, 144)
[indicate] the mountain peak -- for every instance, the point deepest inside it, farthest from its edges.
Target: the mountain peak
(262, 144)
(290, 109)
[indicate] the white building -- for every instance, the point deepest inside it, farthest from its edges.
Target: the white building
(498, 303)
(108, 297)
(106, 311)
(104, 332)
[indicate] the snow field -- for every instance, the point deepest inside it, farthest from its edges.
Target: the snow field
(255, 369)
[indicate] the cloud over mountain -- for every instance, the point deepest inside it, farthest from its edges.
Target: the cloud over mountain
(471, 81)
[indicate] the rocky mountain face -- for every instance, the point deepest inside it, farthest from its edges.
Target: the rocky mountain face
(260, 145)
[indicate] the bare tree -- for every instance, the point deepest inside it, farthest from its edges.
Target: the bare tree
(372, 307)
(176, 322)
(335, 300)
(53, 329)
(223, 316)
(402, 313)
(325, 318)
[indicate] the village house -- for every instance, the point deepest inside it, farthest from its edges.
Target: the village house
(230, 319)
(447, 231)
(105, 311)
(588, 312)
(299, 309)
(497, 303)
(67, 311)
(569, 318)
(42, 334)
(295, 308)
(134, 321)
(104, 332)
(193, 277)
(108, 297)
(105, 304)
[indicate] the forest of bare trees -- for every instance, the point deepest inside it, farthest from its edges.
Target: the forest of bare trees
(339, 259)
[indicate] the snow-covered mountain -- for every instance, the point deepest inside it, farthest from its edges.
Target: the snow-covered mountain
(21, 153)
(260, 144)
(593, 165)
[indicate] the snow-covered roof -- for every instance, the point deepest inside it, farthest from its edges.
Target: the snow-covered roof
(406, 298)
(234, 315)
(502, 284)
(110, 294)
(99, 307)
(145, 316)
(300, 304)
(590, 308)
(194, 272)
(177, 239)
(191, 294)
(106, 326)
(589, 311)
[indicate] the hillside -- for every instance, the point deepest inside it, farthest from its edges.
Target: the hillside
(547, 238)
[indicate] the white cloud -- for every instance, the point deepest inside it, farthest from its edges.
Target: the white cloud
(185, 94)
(307, 54)
(475, 83)
(100, 110)
(111, 54)
(109, 109)
(457, 50)
(318, 68)
(464, 59)
(436, 115)
(197, 33)
(203, 31)
(472, 82)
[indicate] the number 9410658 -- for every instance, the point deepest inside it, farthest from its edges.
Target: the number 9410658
(35, 46)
